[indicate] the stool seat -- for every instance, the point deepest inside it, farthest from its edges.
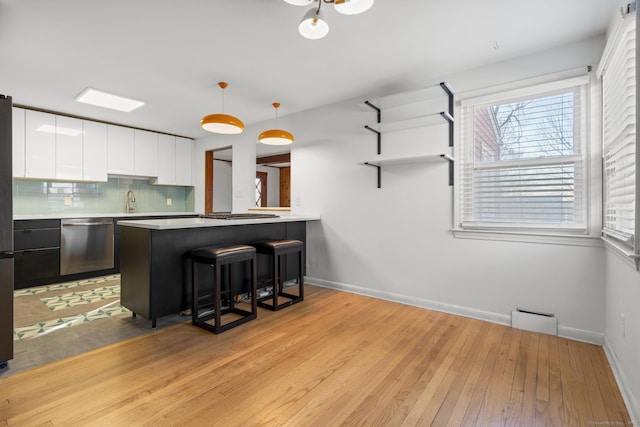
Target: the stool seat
(282, 246)
(220, 259)
(278, 251)
(221, 253)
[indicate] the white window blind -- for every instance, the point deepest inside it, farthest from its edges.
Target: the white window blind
(618, 74)
(523, 160)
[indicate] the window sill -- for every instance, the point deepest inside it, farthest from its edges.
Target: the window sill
(549, 239)
(623, 253)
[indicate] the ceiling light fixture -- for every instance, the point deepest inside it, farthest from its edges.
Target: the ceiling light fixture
(107, 100)
(275, 136)
(222, 123)
(314, 26)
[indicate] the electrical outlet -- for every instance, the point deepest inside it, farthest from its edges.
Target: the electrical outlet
(169, 201)
(68, 201)
(624, 325)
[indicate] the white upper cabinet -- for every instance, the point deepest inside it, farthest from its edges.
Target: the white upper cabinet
(54, 147)
(69, 135)
(18, 142)
(174, 161)
(121, 153)
(146, 153)
(40, 145)
(166, 160)
(94, 164)
(184, 161)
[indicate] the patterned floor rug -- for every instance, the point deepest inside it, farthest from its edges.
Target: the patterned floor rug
(42, 310)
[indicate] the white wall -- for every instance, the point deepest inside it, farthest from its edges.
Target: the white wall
(623, 335)
(222, 186)
(273, 185)
(395, 242)
(244, 168)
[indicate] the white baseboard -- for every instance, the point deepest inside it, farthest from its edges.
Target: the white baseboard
(581, 335)
(502, 319)
(473, 313)
(633, 406)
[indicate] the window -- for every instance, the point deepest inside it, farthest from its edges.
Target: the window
(618, 75)
(523, 160)
(261, 189)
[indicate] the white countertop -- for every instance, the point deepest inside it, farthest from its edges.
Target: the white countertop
(98, 215)
(181, 223)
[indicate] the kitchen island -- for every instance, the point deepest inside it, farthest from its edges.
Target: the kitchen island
(154, 263)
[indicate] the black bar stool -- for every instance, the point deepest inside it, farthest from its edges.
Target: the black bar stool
(220, 258)
(276, 249)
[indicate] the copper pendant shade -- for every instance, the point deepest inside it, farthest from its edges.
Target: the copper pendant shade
(222, 123)
(276, 136)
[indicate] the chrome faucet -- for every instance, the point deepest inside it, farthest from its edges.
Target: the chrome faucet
(131, 197)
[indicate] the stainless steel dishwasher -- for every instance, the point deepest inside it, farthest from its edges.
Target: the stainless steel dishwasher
(86, 244)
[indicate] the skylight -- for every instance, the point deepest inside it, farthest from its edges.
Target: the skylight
(107, 100)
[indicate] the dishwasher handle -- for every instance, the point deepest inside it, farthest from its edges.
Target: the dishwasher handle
(75, 224)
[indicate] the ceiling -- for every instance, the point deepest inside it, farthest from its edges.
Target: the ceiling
(172, 53)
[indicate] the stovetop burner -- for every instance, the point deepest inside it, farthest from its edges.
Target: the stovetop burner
(239, 215)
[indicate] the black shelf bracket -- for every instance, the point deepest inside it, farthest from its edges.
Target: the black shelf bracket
(379, 172)
(378, 120)
(447, 89)
(377, 110)
(450, 167)
(379, 137)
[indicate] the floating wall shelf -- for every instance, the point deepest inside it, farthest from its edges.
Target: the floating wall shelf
(407, 160)
(413, 122)
(403, 100)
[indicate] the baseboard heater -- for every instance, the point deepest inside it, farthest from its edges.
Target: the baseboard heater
(529, 320)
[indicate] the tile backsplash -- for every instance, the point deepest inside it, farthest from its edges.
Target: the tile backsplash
(50, 197)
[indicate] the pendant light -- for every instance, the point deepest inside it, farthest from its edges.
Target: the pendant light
(222, 123)
(352, 7)
(314, 26)
(275, 136)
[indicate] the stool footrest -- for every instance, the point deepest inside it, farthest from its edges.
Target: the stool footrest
(293, 299)
(216, 329)
(281, 253)
(219, 258)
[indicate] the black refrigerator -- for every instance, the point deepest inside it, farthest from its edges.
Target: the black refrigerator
(6, 234)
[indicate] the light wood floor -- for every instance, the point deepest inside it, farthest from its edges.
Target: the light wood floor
(335, 359)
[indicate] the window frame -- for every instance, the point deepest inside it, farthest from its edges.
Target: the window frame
(587, 235)
(619, 244)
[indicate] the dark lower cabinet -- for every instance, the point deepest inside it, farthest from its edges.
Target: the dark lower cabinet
(35, 264)
(155, 269)
(37, 252)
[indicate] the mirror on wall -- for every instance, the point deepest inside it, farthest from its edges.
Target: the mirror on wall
(273, 180)
(218, 180)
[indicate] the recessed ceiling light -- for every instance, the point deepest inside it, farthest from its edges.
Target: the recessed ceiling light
(107, 100)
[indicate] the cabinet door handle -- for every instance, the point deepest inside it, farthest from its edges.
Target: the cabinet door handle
(40, 249)
(75, 224)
